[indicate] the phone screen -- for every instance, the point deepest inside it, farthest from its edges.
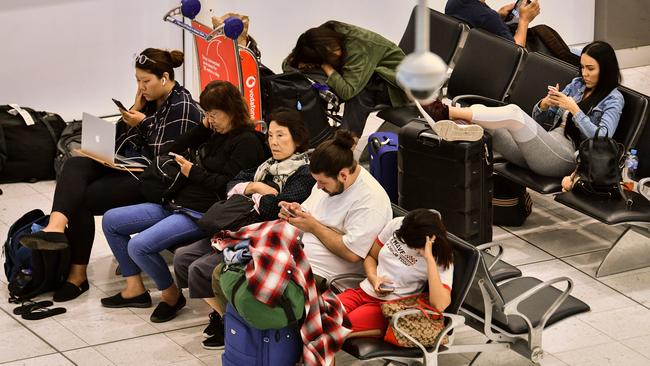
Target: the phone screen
(119, 104)
(514, 13)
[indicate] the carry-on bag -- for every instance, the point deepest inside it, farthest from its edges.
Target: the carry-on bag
(511, 203)
(453, 177)
(32, 272)
(28, 143)
(382, 147)
(294, 90)
(69, 141)
(245, 345)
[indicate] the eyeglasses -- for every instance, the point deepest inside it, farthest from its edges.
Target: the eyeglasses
(142, 59)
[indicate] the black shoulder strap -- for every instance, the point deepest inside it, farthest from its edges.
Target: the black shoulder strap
(43, 117)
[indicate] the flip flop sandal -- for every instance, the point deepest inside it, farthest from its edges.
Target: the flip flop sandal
(30, 306)
(42, 313)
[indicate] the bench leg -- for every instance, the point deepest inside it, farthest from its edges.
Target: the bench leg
(630, 251)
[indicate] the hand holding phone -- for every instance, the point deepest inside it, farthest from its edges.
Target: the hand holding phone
(119, 105)
(386, 287)
(172, 154)
(552, 88)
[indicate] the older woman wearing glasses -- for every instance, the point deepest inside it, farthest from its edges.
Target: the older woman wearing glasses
(162, 111)
(226, 144)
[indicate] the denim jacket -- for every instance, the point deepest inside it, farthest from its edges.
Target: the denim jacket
(607, 112)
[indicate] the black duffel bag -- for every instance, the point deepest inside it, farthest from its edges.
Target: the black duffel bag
(27, 151)
(294, 90)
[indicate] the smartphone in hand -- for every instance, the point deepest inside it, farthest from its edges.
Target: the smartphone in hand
(119, 105)
(386, 287)
(172, 154)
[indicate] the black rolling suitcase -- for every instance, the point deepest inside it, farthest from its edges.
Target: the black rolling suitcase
(454, 178)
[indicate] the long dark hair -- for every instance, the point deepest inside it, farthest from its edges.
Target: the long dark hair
(420, 223)
(316, 46)
(609, 77)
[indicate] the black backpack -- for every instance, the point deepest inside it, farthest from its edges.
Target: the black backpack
(32, 272)
(27, 151)
(294, 90)
(600, 160)
(70, 140)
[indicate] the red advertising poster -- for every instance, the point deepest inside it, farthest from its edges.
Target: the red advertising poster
(251, 82)
(216, 59)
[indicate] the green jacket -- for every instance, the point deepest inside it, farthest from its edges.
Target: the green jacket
(366, 53)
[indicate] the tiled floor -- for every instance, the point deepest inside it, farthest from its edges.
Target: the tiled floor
(555, 241)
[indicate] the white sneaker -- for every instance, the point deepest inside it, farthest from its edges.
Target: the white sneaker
(451, 131)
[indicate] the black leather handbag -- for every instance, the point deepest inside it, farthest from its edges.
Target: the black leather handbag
(600, 160)
(231, 214)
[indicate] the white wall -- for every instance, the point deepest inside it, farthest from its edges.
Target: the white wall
(73, 56)
(277, 24)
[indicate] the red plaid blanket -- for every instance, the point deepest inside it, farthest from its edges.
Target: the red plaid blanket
(277, 258)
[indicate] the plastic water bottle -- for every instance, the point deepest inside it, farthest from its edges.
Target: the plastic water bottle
(631, 164)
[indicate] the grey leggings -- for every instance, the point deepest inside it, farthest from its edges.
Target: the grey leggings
(522, 141)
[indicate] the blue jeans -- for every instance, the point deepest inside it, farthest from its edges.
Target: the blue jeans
(158, 229)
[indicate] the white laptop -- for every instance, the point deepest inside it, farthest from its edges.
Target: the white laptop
(98, 142)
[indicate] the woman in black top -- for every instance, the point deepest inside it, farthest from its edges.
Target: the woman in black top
(162, 111)
(226, 144)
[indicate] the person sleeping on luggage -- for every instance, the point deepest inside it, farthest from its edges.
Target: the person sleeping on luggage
(359, 64)
(411, 255)
(589, 102)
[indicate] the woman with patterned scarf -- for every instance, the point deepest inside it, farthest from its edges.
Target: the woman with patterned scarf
(283, 177)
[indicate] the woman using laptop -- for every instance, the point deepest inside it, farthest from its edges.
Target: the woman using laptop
(226, 144)
(589, 101)
(162, 111)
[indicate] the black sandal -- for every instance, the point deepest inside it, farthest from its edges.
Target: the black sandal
(42, 313)
(29, 306)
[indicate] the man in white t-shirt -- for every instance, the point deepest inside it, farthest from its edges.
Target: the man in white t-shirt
(343, 215)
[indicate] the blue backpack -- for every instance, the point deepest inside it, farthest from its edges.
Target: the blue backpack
(245, 345)
(17, 257)
(32, 272)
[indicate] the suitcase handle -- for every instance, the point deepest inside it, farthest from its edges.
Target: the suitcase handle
(429, 139)
(374, 145)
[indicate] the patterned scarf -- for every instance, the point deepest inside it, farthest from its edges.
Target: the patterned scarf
(281, 170)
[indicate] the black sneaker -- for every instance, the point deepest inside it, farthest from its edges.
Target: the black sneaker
(214, 342)
(117, 301)
(215, 323)
(165, 312)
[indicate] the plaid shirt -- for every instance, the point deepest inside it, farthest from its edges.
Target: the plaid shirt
(277, 258)
(161, 126)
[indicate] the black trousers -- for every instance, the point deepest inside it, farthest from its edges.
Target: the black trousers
(357, 109)
(86, 189)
